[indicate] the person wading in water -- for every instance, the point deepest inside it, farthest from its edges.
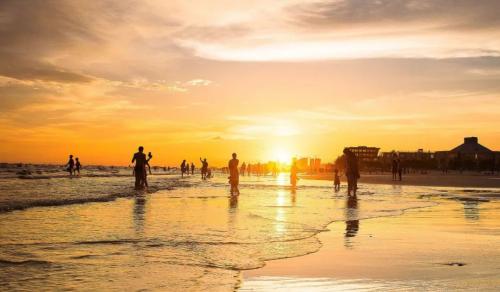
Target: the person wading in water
(351, 171)
(139, 168)
(234, 175)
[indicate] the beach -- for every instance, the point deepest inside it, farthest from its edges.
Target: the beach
(432, 178)
(191, 235)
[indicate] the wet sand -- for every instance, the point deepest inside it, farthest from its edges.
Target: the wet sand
(466, 180)
(195, 237)
(447, 247)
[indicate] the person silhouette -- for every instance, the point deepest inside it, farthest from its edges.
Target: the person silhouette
(395, 167)
(78, 166)
(70, 165)
(234, 176)
(145, 181)
(351, 171)
(336, 180)
(183, 167)
(192, 168)
(204, 168)
(293, 173)
(139, 169)
(243, 169)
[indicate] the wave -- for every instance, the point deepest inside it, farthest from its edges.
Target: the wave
(4, 262)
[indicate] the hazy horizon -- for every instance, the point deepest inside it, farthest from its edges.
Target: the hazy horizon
(265, 80)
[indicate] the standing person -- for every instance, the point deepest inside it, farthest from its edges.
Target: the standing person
(192, 168)
(183, 167)
(139, 168)
(243, 168)
(145, 181)
(394, 167)
(234, 175)
(77, 166)
(351, 171)
(249, 169)
(204, 168)
(336, 180)
(293, 173)
(70, 165)
(400, 170)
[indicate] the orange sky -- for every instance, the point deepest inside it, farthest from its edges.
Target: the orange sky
(208, 78)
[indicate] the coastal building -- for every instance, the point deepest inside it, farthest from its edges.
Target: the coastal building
(314, 164)
(302, 164)
(364, 153)
(468, 155)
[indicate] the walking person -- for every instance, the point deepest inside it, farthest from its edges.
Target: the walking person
(78, 166)
(243, 169)
(394, 167)
(234, 175)
(351, 171)
(192, 168)
(70, 165)
(336, 180)
(183, 168)
(139, 168)
(400, 170)
(293, 173)
(145, 180)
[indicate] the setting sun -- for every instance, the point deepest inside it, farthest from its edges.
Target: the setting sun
(281, 155)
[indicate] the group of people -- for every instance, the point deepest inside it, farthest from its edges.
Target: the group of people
(142, 167)
(73, 166)
(185, 168)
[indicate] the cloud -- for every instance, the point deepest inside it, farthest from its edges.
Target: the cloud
(433, 14)
(29, 69)
(341, 29)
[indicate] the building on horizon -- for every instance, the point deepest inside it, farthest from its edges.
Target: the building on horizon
(364, 153)
(468, 155)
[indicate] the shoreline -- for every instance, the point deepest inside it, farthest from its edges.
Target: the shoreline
(429, 180)
(439, 247)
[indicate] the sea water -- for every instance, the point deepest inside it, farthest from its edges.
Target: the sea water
(94, 233)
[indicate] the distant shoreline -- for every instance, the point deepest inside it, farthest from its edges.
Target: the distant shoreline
(431, 179)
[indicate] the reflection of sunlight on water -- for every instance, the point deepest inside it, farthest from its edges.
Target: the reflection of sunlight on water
(282, 179)
(273, 283)
(280, 217)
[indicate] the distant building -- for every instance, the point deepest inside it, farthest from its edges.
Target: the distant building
(314, 164)
(302, 164)
(420, 154)
(468, 155)
(364, 153)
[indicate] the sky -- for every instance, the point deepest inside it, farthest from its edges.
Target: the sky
(265, 79)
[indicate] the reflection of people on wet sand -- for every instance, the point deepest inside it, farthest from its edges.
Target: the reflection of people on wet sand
(351, 171)
(204, 168)
(352, 221)
(70, 165)
(293, 173)
(234, 175)
(139, 168)
(233, 202)
(78, 166)
(139, 212)
(336, 180)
